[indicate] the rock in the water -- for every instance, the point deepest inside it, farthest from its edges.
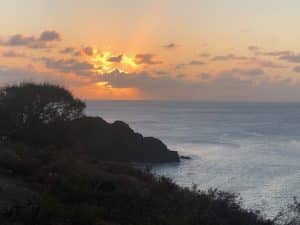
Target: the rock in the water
(185, 157)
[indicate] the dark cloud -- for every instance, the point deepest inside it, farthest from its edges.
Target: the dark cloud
(227, 86)
(224, 88)
(250, 72)
(28, 74)
(13, 54)
(147, 59)
(191, 63)
(43, 41)
(50, 35)
(278, 53)
(196, 63)
(88, 51)
(162, 87)
(116, 59)
(223, 57)
(180, 66)
(204, 55)
(70, 51)
(20, 40)
(264, 64)
(204, 76)
(270, 64)
(292, 58)
(231, 57)
(160, 72)
(285, 55)
(180, 76)
(170, 46)
(243, 58)
(254, 48)
(140, 80)
(157, 87)
(69, 66)
(297, 69)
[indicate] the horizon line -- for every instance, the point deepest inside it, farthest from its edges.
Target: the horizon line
(188, 101)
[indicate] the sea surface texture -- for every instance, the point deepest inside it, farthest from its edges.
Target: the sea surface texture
(248, 148)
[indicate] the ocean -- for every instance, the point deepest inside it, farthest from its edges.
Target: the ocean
(251, 149)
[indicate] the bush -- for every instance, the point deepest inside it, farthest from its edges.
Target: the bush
(18, 160)
(29, 106)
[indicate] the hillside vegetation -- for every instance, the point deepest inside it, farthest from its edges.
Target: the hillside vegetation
(50, 187)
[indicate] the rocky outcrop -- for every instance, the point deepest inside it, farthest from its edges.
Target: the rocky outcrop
(117, 142)
(105, 141)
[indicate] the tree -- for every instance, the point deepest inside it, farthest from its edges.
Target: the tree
(28, 105)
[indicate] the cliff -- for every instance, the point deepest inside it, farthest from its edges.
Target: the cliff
(117, 142)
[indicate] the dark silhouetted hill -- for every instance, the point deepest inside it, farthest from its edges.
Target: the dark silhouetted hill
(48, 115)
(117, 142)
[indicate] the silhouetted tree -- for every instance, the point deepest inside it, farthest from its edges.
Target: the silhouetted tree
(29, 105)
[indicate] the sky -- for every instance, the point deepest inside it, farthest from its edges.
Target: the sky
(193, 50)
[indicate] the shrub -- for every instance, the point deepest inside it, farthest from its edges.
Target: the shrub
(28, 106)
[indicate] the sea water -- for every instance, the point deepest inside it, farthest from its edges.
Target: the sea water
(251, 149)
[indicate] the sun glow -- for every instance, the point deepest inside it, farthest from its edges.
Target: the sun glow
(130, 61)
(103, 64)
(104, 84)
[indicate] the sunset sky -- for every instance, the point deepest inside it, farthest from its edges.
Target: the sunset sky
(220, 50)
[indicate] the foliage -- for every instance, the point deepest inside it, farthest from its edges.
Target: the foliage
(90, 192)
(28, 106)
